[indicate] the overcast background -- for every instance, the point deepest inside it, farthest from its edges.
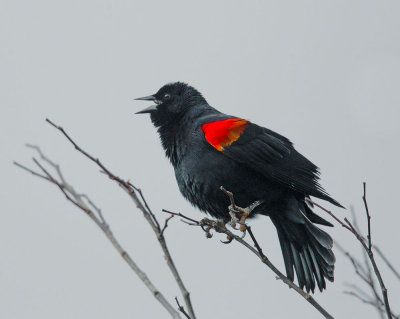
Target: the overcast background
(325, 74)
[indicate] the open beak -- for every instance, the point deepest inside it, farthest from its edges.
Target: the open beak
(149, 109)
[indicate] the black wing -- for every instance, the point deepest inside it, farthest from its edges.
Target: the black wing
(275, 157)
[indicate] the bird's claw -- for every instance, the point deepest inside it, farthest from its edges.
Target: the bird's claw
(228, 240)
(206, 227)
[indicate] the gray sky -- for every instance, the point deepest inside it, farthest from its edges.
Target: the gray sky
(325, 74)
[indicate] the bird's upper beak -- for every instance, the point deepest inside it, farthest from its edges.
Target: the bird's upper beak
(149, 109)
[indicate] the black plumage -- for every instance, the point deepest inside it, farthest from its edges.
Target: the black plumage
(254, 163)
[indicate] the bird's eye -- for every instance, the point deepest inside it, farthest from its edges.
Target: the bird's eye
(167, 96)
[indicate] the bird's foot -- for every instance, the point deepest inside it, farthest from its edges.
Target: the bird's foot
(218, 225)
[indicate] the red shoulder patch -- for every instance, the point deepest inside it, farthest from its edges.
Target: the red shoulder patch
(224, 132)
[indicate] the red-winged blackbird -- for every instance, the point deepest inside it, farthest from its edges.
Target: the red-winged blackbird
(209, 149)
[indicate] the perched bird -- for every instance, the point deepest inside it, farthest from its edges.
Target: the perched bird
(209, 149)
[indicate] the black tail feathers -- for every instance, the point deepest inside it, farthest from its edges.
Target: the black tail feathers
(306, 248)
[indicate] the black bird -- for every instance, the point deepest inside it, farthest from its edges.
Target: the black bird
(209, 149)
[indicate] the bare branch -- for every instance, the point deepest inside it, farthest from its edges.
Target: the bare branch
(365, 273)
(30, 171)
(76, 199)
(166, 224)
(367, 248)
(193, 221)
(358, 290)
(147, 206)
(366, 301)
(364, 197)
(353, 260)
(97, 210)
(329, 212)
(147, 213)
(387, 262)
(182, 309)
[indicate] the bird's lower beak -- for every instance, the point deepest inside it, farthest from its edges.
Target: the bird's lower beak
(149, 109)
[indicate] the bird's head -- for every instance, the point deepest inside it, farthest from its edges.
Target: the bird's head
(171, 102)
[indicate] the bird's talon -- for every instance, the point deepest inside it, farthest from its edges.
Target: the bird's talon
(228, 241)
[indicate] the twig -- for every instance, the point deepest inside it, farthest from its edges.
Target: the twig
(361, 298)
(358, 290)
(364, 274)
(166, 224)
(63, 181)
(376, 270)
(370, 302)
(147, 206)
(193, 221)
(349, 226)
(387, 262)
(366, 277)
(364, 197)
(329, 212)
(76, 199)
(182, 309)
(147, 213)
(351, 258)
(30, 171)
(98, 210)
